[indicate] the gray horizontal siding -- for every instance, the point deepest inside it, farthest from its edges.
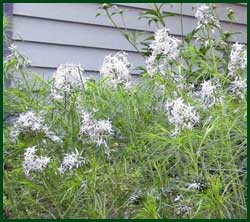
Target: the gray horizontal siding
(85, 12)
(51, 55)
(54, 33)
(66, 33)
(188, 9)
(59, 32)
(46, 73)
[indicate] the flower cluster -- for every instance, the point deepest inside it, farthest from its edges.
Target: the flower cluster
(164, 46)
(181, 115)
(237, 64)
(135, 197)
(67, 78)
(183, 207)
(206, 17)
(95, 129)
(116, 68)
(71, 160)
(31, 123)
(27, 122)
(32, 162)
(208, 94)
(238, 87)
(238, 60)
(184, 210)
(178, 198)
(196, 186)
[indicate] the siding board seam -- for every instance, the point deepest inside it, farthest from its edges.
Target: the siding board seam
(81, 23)
(185, 15)
(85, 70)
(75, 46)
(111, 26)
(50, 67)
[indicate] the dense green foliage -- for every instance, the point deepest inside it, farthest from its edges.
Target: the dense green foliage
(149, 167)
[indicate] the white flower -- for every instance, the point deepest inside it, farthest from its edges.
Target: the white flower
(67, 78)
(207, 88)
(206, 17)
(151, 65)
(184, 210)
(197, 186)
(27, 122)
(135, 197)
(207, 94)
(179, 197)
(71, 160)
(116, 68)
(238, 59)
(165, 46)
(95, 129)
(32, 162)
(238, 88)
(32, 123)
(181, 115)
(194, 186)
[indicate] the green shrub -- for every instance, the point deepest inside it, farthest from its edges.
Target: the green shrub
(170, 145)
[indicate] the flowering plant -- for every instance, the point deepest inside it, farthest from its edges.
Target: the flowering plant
(171, 144)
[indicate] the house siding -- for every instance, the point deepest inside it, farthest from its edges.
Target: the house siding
(7, 11)
(54, 33)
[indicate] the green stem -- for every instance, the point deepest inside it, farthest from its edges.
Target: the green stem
(7, 186)
(79, 72)
(193, 155)
(212, 51)
(48, 189)
(159, 15)
(27, 84)
(121, 31)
